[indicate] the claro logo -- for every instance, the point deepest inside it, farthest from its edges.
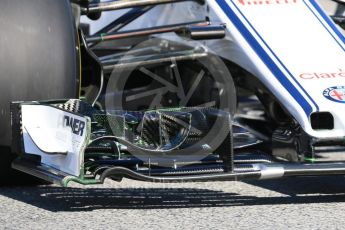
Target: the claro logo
(267, 2)
(319, 76)
(76, 125)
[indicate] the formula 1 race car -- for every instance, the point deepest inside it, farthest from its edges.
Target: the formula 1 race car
(171, 90)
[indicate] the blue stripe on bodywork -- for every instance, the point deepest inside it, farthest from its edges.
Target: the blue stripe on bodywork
(278, 59)
(330, 23)
(280, 76)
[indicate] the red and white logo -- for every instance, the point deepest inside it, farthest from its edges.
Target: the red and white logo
(325, 75)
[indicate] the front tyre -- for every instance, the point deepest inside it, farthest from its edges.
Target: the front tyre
(39, 60)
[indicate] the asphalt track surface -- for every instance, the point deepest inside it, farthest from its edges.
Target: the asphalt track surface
(297, 203)
(294, 203)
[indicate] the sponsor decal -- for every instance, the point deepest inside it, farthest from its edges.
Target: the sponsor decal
(315, 76)
(76, 125)
(335, 93)
(266, 2)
